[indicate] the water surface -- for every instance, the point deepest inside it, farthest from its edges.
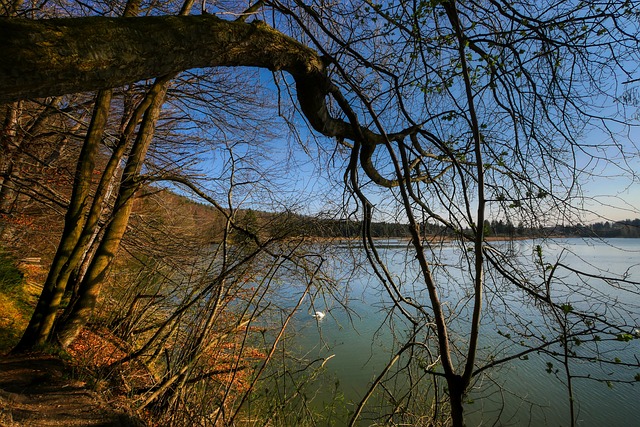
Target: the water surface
(359, 342)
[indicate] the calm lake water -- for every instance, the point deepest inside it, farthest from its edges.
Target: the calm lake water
(520, 392)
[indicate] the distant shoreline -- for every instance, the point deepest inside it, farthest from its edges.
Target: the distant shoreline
(446, 239)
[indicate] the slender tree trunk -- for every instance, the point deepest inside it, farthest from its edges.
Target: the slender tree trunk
(89, 288)
(43, 318)
(83, 253)
(9, 145)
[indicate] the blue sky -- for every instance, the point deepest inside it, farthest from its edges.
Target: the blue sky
(309, 179)
(613, 191)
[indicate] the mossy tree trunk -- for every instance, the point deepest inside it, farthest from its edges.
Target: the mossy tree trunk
(84, 54)
(89, 287)
(42, 321)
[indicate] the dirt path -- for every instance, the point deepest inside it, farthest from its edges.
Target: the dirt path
(37, 390)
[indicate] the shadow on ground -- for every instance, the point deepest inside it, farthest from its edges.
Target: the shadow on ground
(38, 390)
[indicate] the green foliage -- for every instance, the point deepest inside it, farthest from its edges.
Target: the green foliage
(539, 251)
(13, 303)
(504, 334)
(624, 337)
(10, 276)
(566, 308)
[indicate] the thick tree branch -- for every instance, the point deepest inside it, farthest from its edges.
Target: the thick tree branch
(59, 56)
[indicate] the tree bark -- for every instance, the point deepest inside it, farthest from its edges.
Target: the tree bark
(59, 56)
(8, 145)
(79, 54)
(70, 55)
(89, 288)
(42, 320)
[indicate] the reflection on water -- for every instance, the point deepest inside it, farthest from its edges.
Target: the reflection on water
(523, 392)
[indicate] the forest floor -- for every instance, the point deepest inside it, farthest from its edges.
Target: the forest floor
(43, 390)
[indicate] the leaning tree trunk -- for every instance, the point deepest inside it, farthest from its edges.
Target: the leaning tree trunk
(82, 253)
(69, 55)
(89, 288)
(42, 320)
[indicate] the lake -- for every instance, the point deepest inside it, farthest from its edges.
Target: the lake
(356, 341)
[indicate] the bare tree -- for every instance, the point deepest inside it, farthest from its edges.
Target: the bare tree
(460, 112)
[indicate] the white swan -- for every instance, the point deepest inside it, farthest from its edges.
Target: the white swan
(319, 315)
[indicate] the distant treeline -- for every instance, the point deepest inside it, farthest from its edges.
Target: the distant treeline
(210, 223)
(626, 228)
(332, 228)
